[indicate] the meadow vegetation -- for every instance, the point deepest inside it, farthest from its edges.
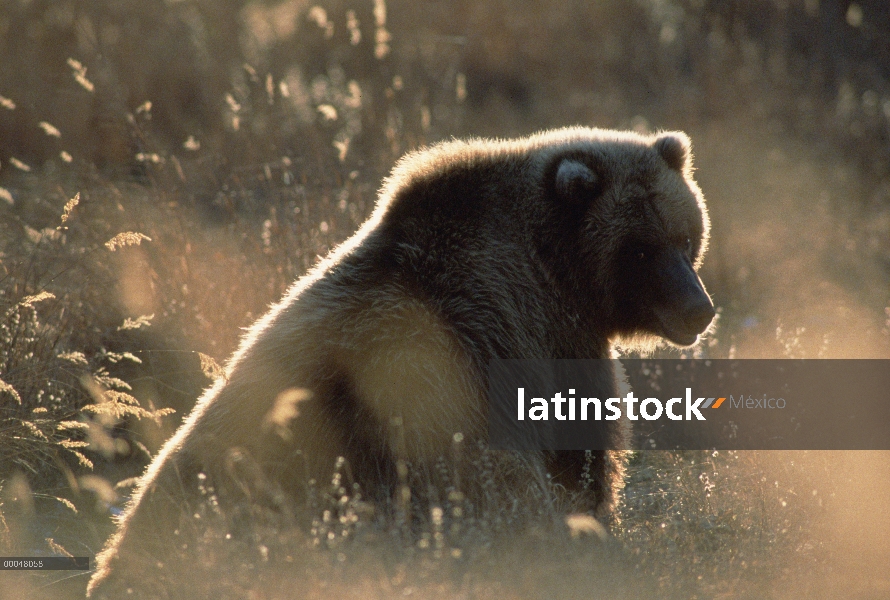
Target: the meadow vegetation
(168, 168)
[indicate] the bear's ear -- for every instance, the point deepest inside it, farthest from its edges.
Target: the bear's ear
(674, 149)
(575, 180)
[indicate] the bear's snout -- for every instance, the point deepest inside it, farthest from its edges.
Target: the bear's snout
(698, 313)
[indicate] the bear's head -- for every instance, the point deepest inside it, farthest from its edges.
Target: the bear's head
(638, 224)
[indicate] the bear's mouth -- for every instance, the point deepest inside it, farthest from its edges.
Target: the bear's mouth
(678, 333)
(681, 338)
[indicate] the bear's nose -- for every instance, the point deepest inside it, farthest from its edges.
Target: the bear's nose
(698, 314)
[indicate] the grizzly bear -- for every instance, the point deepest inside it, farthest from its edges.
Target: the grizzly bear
(553, 246)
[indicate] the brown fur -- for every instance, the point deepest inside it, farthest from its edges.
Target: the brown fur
(476, 250)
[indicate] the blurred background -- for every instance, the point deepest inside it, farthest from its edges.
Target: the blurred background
(243, 140)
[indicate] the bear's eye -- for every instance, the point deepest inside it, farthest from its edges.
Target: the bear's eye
(689, 246)
(642, 252)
